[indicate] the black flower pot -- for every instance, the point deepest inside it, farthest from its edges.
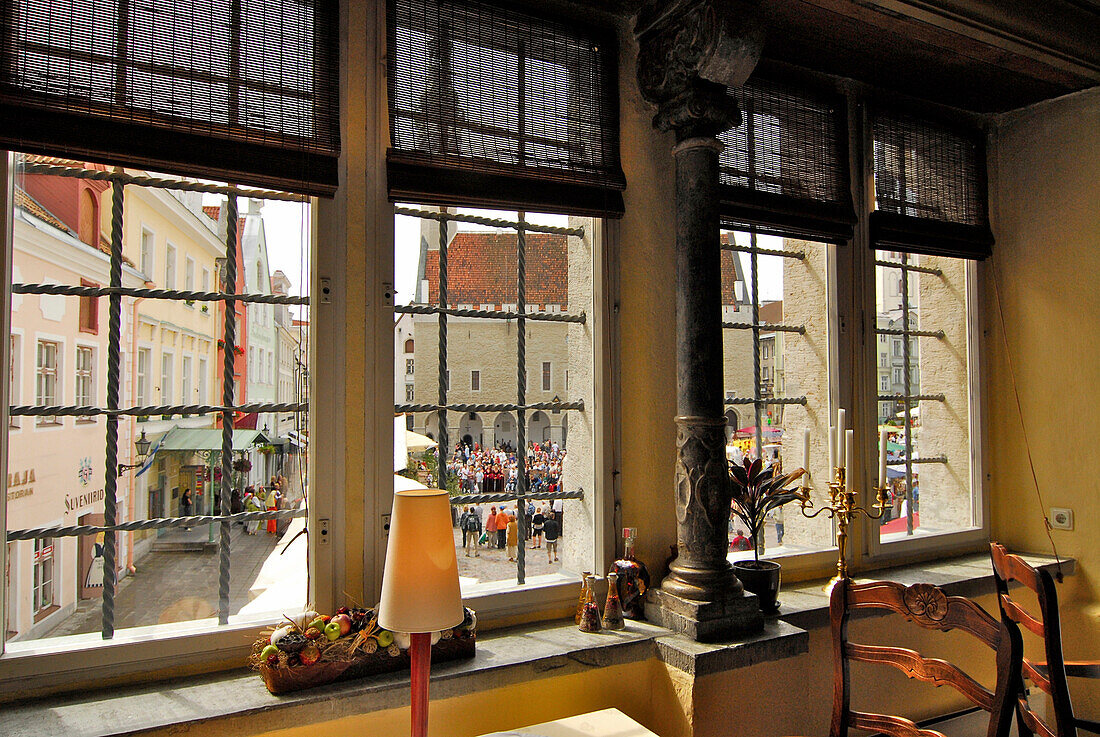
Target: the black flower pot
(761, 578)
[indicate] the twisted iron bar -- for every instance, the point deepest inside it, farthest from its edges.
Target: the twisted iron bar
(496, 498)
(441, 360)
(228, 359)
(521, 396)
(407, 408)
(114, 360)
(753, 249)
(490, 314)
(444, 217)
(775, 400)
(172, 409)
(907, 399)
(918, 333)
(160, 182)
(69, 290)
(35, 533)
(757, 406)
(910, 267)
(917, 397)
(766, 327)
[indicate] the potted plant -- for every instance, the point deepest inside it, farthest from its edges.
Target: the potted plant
(755, 491)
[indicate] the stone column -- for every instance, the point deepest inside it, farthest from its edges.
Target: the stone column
(689, 52)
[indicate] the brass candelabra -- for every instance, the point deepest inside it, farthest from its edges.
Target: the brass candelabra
(843, 509)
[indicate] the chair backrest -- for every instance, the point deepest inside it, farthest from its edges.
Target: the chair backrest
(1051, 676)
(928, 607)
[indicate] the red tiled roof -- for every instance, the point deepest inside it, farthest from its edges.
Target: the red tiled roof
(772, 312)
(31, 207)
(729, 293)
(212, 211)
(481, 269)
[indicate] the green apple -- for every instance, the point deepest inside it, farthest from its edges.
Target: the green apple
(269, 651)
(384, 637)
(332, 630)
(318, 623)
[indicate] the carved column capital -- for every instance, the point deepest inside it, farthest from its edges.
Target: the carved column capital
(689, 51)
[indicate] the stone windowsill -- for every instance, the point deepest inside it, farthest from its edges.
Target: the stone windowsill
(237, 702)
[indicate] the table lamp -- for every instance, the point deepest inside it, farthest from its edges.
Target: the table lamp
(420, 591)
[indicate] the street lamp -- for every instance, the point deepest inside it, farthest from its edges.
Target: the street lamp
(142, 445)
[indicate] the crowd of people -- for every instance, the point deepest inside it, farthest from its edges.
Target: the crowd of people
(495, 471)
(499, 529)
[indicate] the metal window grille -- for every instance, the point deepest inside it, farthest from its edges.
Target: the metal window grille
(46, 406)
(764, 393)
(521, 314)
(910, 395)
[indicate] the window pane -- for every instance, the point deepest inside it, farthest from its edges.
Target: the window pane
(172, 353)
(777, 380)
(483, 448)
(929, 471)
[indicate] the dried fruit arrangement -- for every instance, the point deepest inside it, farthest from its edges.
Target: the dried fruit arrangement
(316, 649)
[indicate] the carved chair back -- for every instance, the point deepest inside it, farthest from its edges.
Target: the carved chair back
(1051, 676)
(928, 607)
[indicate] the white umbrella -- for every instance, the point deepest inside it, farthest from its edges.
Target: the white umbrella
(415, 442)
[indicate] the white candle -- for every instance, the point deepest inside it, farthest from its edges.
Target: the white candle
(806, 455)
(849, 443)
(832, 448)
(841, 456)
(841, 425)
(884, 436)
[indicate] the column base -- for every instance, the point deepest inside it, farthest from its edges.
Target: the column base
(726, 618)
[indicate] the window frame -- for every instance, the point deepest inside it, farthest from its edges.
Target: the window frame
(45, 422)
(92, 376)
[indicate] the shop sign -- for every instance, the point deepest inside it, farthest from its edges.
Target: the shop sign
(77, 501)
(20, 484)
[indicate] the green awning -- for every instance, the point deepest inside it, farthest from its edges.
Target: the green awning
(198, 438)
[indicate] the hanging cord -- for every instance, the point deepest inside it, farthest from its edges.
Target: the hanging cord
(1023, 426)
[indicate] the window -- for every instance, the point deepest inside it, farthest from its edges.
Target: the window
(15, 387)
(185, 381)
(85, 380)
(408, 367)
(189, 277)
(203, 378)
(930, 474)
(148, 249)
(495, 423)
(409, 345)
(46, 386)
(144, 358)
(167, 395)
(170, 267)
(89, 310)
(44, 575)
(884, 382)
(897, 349)
(205, 279)
(778, 285)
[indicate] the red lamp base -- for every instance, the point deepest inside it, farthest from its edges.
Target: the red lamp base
(420, 653)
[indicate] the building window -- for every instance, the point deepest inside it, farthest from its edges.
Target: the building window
(44, 574)
(475, 381)
(15, 364)
(85, 380)
(46, 386)
(546, 376)
(897, 349)
(167, 396)
(408, 367)
(899, 376)
(409, 345)
(189, 278)
(170, 267)
(185, 381)
(410, 393)
(202, 398)
(205, 279)
(144, 358)
(884, 382)
(89, 310)
(148, 251)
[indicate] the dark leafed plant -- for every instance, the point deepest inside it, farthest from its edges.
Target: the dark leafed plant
(755, 491)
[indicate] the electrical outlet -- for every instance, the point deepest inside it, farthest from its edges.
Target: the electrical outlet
(1061, 518)
(323, 536)
(385, 525)
(326, 290)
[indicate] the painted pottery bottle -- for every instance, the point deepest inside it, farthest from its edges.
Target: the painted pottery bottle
(613, 609)
(633, 578)
(585, 596)
(590, 613)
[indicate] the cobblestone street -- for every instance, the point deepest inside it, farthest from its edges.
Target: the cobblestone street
(493, 564)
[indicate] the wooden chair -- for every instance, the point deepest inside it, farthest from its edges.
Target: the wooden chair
(1050, 676)
(927, 606)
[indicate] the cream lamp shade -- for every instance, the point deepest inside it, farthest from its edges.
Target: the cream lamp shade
(420, 590)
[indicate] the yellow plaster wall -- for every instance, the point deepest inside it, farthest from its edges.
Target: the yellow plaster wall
(1045, 212)
(642, 690)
